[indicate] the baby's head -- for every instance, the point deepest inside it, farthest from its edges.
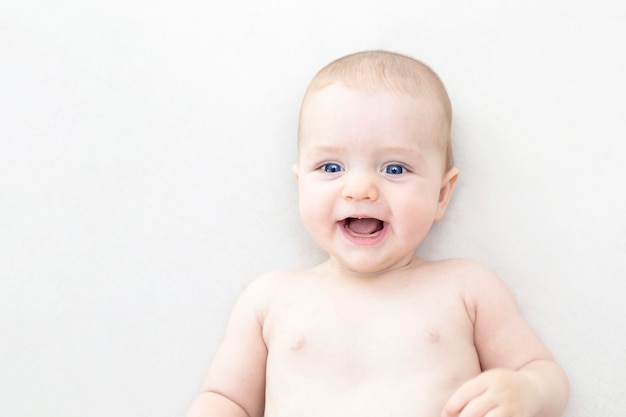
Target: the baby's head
(375, 164)
(370, 71)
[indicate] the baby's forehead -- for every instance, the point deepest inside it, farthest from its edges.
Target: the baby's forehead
(350, 111)
(426, 88)
(326, 95)
(369, 72)
(338, 106)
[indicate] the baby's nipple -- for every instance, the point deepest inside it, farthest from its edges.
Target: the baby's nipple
(431, 335)
(297, 343)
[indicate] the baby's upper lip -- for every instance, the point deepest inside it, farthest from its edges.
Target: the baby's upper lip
(360, 217)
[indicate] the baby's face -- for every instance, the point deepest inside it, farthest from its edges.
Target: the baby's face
(370, 174)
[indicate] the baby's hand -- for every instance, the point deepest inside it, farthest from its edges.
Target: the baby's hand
(494, 393)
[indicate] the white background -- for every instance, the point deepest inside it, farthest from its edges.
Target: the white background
(145, 155)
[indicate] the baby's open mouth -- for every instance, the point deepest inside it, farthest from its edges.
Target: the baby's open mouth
(363, 226)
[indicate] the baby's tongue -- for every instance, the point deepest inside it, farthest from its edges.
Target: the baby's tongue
(364, 226)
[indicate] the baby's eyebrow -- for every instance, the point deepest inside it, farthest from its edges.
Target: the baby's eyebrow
(324, 150)
(396, 150)
(402, 153)
(405, 151)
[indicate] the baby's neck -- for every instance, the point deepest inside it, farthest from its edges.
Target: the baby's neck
(333, 269)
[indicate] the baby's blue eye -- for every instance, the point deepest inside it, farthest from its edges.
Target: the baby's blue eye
(394, 169)
(332, 167)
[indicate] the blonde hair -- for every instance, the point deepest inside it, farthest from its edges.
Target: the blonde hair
(371, 70)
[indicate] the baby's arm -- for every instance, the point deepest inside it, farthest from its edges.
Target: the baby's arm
(235, 384)
(520, 377)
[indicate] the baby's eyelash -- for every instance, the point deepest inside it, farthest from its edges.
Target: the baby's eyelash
(331, 167)
(395, 169)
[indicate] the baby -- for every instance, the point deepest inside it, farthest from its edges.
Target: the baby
(375, 330)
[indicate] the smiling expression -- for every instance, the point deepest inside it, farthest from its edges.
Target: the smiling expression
(371, 174)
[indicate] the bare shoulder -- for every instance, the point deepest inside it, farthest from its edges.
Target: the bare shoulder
(274, 282)
(263, 290)
(502, 337)
(463, 271)
(457, 265)
(478, 284)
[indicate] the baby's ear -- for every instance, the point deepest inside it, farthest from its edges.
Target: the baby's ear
(447, 186)
(296, 171)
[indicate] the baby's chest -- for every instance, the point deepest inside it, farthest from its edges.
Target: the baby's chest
(358, 338)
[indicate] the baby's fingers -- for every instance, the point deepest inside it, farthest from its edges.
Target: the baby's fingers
(468, 401)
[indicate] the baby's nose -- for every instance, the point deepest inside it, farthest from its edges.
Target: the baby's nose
(360, 187)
